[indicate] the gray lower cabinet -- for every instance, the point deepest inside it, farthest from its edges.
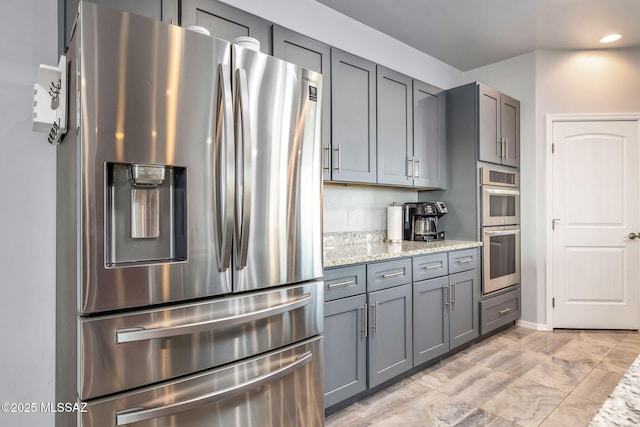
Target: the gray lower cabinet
(316, 56)
(463, 315)
(430, 319)
(345, 349)
(445, 308)
(499, 310)
(161, 10)
(226, 22)
(375, 333)
(353, 118)
(390, 333)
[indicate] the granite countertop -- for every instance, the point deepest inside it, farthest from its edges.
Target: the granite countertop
(353, 248)
(622, 408)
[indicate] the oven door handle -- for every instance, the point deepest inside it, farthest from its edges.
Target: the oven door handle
(508, 192)
(142, 334)
(502, 232)
(134, 415)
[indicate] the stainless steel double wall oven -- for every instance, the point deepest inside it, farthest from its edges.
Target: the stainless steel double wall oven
(189, 231)
(500, 225)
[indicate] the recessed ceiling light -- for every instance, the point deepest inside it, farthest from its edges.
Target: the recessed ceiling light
(610, 38)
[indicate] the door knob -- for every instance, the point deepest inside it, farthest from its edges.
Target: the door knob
(633, 236)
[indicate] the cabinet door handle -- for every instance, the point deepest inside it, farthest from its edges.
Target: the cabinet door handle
(340, 284)
(338, 162)
(413, 167)
(328, 150)
(506, 148)
(365, 326)
(504, 311)
(499, 148)
(375, 319)
(453, 295)
(392, 275)
(465, 260)
(419, 169)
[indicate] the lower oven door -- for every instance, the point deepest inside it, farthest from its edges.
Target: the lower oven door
(501, 257)
(281, 388)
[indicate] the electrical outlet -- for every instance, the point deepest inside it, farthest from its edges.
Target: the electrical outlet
(350, 217)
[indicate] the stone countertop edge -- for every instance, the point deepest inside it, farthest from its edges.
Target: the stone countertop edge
(340, 255)
(622, 408)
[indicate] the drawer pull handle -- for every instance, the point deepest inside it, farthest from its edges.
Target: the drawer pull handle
(391, 275)
(340, 284)
(465, 261)
(432, 267)
(504, 311)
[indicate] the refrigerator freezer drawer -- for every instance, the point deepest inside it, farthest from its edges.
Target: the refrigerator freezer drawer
(282, 388)
(121, 352)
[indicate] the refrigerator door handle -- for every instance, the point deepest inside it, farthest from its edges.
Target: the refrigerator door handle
(244, 168)
(224, 162)
(142, 334)
(133, 415)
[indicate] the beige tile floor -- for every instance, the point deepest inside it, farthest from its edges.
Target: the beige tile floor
(518, 377)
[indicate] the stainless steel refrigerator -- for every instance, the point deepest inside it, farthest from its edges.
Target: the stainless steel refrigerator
(189, 256)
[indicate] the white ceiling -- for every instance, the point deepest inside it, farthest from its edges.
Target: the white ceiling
(467, 34)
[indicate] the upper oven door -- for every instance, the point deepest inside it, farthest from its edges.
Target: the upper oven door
(500, 206)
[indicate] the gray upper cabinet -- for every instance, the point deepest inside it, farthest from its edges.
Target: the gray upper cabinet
(226, 22)
(394, 128)
(390, 333)
(510, 130)
(429, 136)
(162, 10)
(353, 118)
(498, 127)
(313, 55)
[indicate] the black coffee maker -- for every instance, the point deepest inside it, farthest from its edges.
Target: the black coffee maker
(421, 221)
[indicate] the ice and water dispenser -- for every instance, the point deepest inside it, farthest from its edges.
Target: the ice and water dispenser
(146, 217)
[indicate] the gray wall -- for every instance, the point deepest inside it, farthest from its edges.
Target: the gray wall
(27, 214)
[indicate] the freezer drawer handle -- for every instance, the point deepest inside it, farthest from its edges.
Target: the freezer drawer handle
(134, 415)
(142, 334)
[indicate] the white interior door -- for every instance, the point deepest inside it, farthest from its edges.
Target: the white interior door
(595, 209)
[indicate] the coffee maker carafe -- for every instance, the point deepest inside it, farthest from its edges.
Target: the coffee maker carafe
(421, 221)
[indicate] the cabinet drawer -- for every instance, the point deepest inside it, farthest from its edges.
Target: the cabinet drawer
(344, 282)
(430, 266)
(387, 274)
(499, 310)
(466, 259)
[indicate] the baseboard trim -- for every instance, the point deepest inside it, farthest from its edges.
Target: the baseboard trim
(534, 326)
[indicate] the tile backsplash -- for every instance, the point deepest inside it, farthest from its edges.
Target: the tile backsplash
(355, 208)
